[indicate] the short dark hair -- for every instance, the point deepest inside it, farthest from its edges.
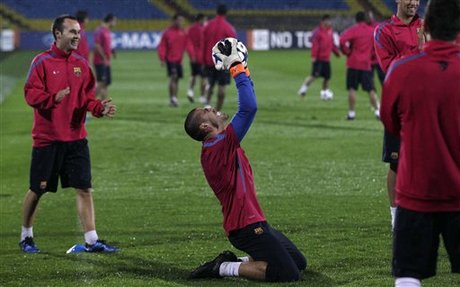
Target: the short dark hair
(442, 19)
(221, 9)
(109, 17)
(325, 17)
(81, 15)
(199, 17)
(192, 126)
(58, 23)
(360, 16)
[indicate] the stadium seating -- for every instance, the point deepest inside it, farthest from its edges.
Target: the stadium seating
(48, 9)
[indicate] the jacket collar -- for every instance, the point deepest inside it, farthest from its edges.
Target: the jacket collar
(58, 53)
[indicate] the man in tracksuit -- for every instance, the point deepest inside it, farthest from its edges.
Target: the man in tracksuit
(399, 36)
(421, 106)
(60, 87)
(356, 43)
(273, 257)
(174, 42)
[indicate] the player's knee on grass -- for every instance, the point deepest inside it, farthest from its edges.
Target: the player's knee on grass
(300, 261)
(277, 273)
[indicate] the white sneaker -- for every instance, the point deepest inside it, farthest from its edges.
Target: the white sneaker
(351, 115)
(190, 95)
(302, 91)
(174, 102)
(203, 100)
(377, 114)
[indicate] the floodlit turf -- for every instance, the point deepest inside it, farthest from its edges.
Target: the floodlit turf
(319, 179)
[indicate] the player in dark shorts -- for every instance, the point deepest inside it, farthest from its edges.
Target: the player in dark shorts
(195, 34)
(402, 35)
(420, 104)
(60, 149)
(322, 47)
(356, 43)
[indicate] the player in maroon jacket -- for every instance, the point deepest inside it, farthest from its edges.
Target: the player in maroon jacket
(399, 36)
(322, 47)
(357, 44)
(216, 29)
(61, 88)
(173, 44)
(273, 257)
(195, 34)
(421, 105)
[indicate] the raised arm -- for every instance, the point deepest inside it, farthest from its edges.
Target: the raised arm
(231, 55)
(247, 104)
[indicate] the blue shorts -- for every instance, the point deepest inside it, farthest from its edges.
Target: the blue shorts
(68, 161)
(264, 243)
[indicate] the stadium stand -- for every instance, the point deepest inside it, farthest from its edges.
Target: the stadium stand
(272, 14)
(132, 15)
(155, 14)
(33, 9)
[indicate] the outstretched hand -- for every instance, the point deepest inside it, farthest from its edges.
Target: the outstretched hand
(109, 109)
(61, 94)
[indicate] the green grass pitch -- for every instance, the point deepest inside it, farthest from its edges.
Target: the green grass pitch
(319, 180)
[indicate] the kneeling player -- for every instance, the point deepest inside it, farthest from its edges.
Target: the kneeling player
(273, 257)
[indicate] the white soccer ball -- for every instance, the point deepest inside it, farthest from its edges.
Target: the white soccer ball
(218, 61)
(242, 53)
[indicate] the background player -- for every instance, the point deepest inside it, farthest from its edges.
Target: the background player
(60, 87)
(173, 44)
(103, 54)
(357, 43)
(322, 46)
(216, 30)
(195, 34)
(420, 104)
(399, 36)
(273, 257)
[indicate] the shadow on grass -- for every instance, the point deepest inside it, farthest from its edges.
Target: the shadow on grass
(127, 267)
(317, 125)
